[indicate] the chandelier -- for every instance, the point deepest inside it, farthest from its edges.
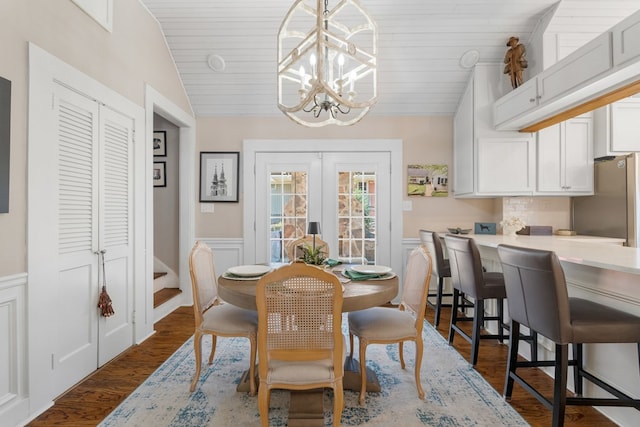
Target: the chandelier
(327, 63)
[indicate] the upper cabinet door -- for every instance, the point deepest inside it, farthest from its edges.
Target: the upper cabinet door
(580, 67)
(578, 155)
(565, 158)
(516, 102)
(506, 166)
(626, 40)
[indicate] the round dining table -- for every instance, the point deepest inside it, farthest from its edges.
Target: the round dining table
(358, 295)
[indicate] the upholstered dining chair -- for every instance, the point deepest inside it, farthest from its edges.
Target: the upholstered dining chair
(441, 269)
(294, 249)
(215, 318)
(384, 325)
(539, 299)
(300, 341)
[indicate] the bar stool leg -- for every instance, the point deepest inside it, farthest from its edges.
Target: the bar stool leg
(534, 345)
(478, 322)
(439, 300)
(577, 368)
(560, 385)
(514, 333)
(454, 315)
(500, 320)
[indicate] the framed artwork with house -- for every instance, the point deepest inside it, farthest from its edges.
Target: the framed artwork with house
(219, 176)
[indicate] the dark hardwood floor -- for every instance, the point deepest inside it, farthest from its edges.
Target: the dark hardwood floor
(94, 398)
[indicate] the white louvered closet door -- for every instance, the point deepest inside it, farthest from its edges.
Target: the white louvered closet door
(94, 194)
(115, 235)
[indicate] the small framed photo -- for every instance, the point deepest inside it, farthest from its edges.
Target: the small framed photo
(159, 143)
(485, 228)
(159, 174)
(219, 176)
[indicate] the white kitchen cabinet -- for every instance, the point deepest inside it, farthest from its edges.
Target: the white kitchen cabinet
(617, 128)
(576, 69)
(523, 99)
(565, 158)
(489, 163)
(626, 40)
(581, 75)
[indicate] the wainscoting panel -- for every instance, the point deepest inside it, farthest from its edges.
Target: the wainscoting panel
(14, 406)
(226, 252)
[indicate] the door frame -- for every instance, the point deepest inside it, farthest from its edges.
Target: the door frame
(45, 71)
(250, 148)
(156, 103)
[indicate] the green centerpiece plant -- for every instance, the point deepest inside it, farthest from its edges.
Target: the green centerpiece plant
(313, 256)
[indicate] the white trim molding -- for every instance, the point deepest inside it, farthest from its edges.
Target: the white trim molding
(14, 402)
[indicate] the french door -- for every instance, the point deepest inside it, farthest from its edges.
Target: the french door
(347, 192)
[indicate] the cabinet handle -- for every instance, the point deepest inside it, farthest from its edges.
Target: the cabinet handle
(532, 100)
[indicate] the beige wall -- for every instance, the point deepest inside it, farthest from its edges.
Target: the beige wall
(426, 140)
(135, 53)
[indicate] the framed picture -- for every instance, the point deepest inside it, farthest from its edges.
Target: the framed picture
(159, 143)
(485, 228)
(159, 174)
(428, 180)
(219, 176)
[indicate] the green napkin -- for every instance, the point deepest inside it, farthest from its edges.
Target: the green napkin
(332, 262)
(354, 275)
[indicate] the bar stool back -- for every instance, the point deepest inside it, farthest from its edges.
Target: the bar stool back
(538, 298)
(441, 269)
(468, 277)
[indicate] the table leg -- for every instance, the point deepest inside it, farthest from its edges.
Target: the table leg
(351, 380)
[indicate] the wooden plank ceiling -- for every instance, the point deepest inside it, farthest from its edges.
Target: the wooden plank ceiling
(420, 44)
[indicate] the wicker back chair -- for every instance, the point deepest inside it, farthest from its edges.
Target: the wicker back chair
(300, 342)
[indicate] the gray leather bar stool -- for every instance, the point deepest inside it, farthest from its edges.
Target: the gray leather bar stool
(538, 298)
(441, 269)
(468, 277)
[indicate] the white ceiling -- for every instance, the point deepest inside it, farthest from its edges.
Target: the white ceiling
(420, 43)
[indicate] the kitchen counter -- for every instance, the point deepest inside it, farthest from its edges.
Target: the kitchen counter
(599, 252)
(600, 270)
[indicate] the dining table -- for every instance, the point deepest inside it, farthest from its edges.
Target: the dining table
(358, 295)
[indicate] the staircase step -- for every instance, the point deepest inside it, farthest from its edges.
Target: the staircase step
(164, 295)
(159, 274)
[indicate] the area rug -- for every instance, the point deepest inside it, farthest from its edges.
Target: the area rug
(456, 394)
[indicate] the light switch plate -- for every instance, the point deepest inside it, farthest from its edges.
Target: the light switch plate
(407, 205)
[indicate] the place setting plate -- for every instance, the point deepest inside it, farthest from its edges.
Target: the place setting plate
(376, 272)
(371, 269)
(246, 272)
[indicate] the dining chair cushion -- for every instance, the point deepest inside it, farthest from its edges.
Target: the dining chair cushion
(382, 323)
(596, 323)
(228, 319)
(305, 372)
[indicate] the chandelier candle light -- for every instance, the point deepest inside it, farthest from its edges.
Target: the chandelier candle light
(327, 71)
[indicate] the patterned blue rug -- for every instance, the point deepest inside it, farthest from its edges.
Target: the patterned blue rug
(456, 395)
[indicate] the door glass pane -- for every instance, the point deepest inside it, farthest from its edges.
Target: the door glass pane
(288, 215)
(357, 216)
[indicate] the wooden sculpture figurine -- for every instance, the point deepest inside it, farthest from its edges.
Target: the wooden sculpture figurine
(515, 61)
